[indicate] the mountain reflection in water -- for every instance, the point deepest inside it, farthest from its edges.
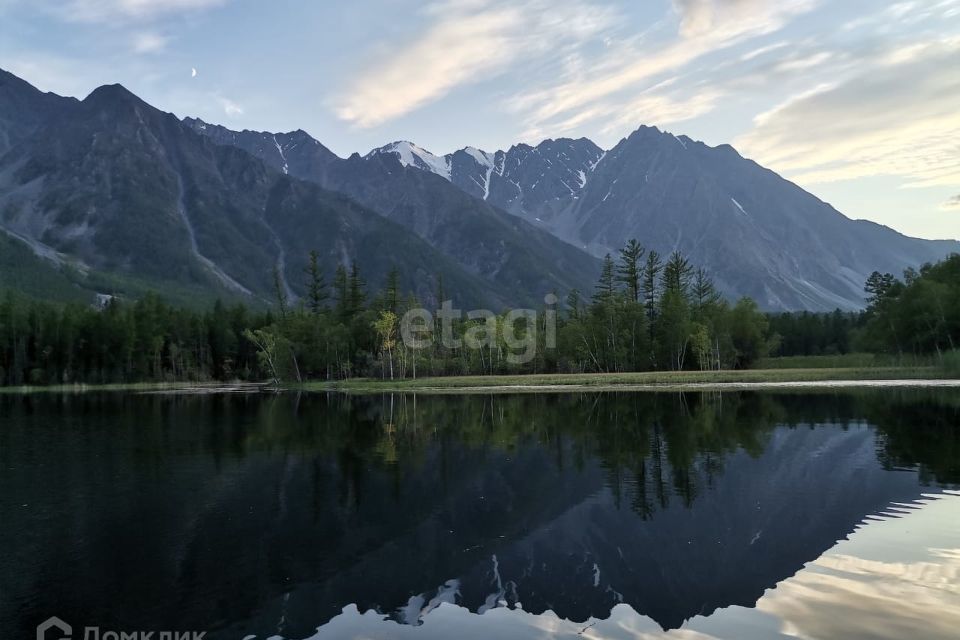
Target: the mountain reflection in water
(268, 515)
(870, 586)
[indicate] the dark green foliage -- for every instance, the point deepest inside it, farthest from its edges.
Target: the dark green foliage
(814, 334)
(691, 328)
(879, 286)
(661, 317)
(304, 339)
(42, 343)
(607, 286)
(704, 292)
(316, 284)
(630, 270)
(651, 276)
(391, 294)
(920, 315)
(676, 274)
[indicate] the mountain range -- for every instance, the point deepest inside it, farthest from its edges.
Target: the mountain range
(757, 234)
(110, 195)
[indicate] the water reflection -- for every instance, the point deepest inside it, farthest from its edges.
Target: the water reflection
(268, 515)
(870, 586)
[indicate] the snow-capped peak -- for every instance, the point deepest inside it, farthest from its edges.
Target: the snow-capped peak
(483, 158)
(410, 155)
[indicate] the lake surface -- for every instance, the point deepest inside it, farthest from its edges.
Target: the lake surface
(616, 515)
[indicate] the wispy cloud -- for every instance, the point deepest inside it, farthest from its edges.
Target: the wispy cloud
(952, 204)
(149, 42)
(762, 51)
(899, 116)
(902, 589)
(662, 105)
(699, 17)
(623, 74)
(127, 10)
(230, 108)
(467, 41)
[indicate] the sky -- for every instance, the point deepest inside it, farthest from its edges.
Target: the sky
(858, 101)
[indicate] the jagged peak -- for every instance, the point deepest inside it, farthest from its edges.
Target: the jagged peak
(483, 158)
(410, 154)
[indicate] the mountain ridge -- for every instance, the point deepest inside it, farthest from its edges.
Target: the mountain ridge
(118, 187)
(113, 185)
(504, 249)
(793, 251)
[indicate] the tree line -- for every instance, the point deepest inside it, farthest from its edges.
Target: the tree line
(647, 312)
(651, 313)
(909, 317)
(918, 314)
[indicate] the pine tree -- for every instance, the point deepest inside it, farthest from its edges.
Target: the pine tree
(573, 303)
(606, 287)
(357, 294)
(441, 294)
(629, 270)
(316, 285)
(392, 291)
(676, 274)
(703, 290)
(878, 286)
(651, 275)
(342, 291)
(279, 292)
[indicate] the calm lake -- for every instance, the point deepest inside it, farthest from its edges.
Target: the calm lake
(608, 515)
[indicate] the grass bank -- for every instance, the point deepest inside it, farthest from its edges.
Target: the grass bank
(775, 375)
(848, 361)
(654, 380)
(140, 387)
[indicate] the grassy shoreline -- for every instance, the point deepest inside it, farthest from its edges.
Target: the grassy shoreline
(644, 381)
(185, 387)
(657, 380)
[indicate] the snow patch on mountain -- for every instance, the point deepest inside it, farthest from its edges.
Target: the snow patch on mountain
(283, 158)
(593, 166)
(482, 157)
(411, 155)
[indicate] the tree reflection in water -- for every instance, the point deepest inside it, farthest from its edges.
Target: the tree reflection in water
(269, 514)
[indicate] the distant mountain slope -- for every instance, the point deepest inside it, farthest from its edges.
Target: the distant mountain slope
(522, 261)
(519, 180)
(114, 186)
(757, 233)
(23, 109)
(130, 198)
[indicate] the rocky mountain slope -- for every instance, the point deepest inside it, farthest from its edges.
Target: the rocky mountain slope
(23, 109)
(123, 191)
(521, 260)
(757, 233)
(117, 196)
(111, 194)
